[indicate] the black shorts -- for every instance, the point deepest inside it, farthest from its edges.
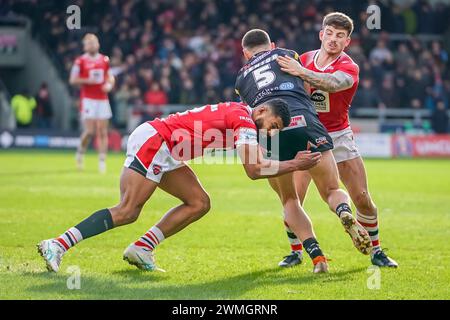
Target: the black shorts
(305, 132)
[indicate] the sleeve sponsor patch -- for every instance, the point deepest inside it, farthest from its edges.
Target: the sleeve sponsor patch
(246, 136)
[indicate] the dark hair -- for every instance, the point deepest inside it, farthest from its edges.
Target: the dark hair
(338, 20)
(255, 38)
(280, 108)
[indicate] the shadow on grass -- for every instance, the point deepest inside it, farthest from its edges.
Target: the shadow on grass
(130, 285)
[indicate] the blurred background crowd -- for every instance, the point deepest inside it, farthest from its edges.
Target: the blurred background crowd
(188, 51)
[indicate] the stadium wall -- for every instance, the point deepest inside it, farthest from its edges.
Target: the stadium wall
(371, 145)
(30, 68)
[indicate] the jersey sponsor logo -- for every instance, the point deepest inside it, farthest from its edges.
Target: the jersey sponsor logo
(298, 121)
(321, 100)
(156, 169)
(321, 141)
(286, 86)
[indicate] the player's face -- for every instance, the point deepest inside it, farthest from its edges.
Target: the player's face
(91, 45)
(334, 40)
(267, 121)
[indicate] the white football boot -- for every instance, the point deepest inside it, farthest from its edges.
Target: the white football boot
(52, 252)
(359, 235)
(140, 257)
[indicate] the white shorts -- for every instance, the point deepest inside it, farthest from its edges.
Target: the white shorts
(344, 145)
(95, 109)
(148, 154)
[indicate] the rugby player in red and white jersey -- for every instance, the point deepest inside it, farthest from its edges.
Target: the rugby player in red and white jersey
(156, 153)
(332, 77)
(91, 72)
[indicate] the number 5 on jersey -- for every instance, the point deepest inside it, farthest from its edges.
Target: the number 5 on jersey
(263, 76)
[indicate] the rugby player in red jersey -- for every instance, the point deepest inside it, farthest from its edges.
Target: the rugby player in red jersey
(91, 72)
(156, 153)
(331, 77)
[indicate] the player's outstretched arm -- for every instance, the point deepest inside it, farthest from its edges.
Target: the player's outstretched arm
(329, 82)
(257, 167)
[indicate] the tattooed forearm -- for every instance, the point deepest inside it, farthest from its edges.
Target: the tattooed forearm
(329, 82)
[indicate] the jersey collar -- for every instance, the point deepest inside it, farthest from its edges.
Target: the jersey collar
(316, 56)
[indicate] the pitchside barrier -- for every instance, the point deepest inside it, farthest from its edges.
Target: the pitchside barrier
(371, 145)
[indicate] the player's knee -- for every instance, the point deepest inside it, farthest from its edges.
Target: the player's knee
(363, 202)
(89, 133)
(125, 213)
(201, 205)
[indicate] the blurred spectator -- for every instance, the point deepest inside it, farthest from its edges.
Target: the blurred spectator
(388, 93)
(44, 111)
(23, 105)
(155, 97)
(366, 96)
(381, 53)
(122, 100)
(440, 119)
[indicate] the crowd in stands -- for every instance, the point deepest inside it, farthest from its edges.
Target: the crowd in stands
(188, 51)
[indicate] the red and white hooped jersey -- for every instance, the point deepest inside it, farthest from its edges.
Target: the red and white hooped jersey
(332, 107)
(96, 68)
(217, 126)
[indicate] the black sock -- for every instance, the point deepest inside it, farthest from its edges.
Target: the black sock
(343, 207)
(312, 247)
(97, 223)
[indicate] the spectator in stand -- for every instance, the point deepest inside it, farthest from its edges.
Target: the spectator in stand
(388, 94)
(23, 105)
(416, 89)
(44, 110)
(155, 98)
(366, 96)
(440, 118)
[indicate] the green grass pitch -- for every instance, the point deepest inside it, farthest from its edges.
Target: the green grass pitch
(232, 253)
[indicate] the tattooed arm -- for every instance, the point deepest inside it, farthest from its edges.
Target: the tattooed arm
(329, 82)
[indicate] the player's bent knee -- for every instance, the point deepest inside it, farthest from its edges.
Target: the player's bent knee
(201, 206)
(363, 202)
(125, 214)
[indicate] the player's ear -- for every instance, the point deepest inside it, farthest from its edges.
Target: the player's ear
(321, 35)
(246, 53)
(347, 42)
(272, 45)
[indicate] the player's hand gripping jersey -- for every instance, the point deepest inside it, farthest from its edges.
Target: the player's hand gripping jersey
(261, 79)
(162, 145)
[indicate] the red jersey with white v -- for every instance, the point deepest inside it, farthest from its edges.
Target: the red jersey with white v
(223, 125)
(95, 68)
(332, 107)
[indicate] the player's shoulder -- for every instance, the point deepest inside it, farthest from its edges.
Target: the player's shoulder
(347, 61)
(285, 51)
(234, 106)
(104, 58)
(81, 58)
(308, 57)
